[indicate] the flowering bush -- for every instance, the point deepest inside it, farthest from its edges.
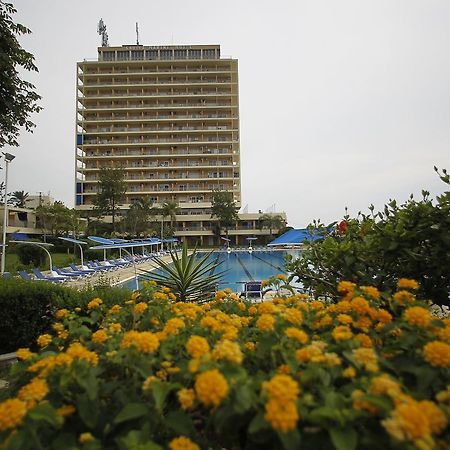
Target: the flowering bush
(370, 371)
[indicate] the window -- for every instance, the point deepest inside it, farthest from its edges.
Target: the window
(151, 54)
(108, 56)
(195, 54)
(137, 54)
(166, 54)
(123, 55)
(209, 54)
(180, 54)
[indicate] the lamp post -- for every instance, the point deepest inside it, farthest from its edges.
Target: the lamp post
(8, 158)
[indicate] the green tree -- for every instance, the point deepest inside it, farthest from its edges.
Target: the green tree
(111, 192)
(137, 219)
(271, 222)
(17, 96)
(224, 208)
(19, 199)
(411, 240)
(57, 219)
(170, 209)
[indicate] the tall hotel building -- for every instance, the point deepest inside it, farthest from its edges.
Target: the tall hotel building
(169, 116)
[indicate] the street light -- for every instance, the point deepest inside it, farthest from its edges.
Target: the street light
(8, 158)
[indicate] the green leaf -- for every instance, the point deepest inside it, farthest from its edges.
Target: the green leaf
(180, 422)
(290, 440)
(344, 438)
(131, 411)
(160, 391)
(135, 440)
(44, 412)
(89, 382)
(257, 424)
(87, 410)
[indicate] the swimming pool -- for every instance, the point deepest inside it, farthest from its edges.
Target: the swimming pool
(242, 266)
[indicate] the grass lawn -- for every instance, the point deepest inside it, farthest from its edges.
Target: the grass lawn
(59, 259)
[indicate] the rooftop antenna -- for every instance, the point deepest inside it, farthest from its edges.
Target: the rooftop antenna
(137, 33)
(101, 30)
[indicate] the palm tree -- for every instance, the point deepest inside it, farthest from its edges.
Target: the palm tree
(19, 198)
(170, 209)
(272, 221)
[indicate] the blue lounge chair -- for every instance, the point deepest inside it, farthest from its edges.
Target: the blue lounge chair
(67, 273)
(56, 279)
(86, 270)
(253, 290)
(26, 276)
(6, 275)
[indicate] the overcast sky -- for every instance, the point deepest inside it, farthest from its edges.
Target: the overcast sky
(342, 103)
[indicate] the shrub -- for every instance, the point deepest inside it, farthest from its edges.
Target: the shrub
(28, 307)
(30, 255)
(411, 240)
(371, 371)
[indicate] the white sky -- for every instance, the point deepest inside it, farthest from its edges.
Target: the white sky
(342, 103)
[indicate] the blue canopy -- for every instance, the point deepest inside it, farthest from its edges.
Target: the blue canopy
(295, 237)
(170, 240)
(100, 240)
(116, 246)
(74, 241)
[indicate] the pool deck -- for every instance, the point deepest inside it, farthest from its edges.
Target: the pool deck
(118, 276)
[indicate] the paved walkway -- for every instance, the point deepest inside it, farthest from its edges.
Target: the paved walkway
(117, 276)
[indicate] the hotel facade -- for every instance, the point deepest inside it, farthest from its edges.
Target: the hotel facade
(169, 117)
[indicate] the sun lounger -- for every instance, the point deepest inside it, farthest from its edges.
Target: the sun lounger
(27, 277)
(6, 275)
(84, 269)
(57, 279)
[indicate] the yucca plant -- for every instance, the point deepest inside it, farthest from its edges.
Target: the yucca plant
(190, 278)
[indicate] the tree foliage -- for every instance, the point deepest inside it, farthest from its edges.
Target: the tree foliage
(271, 222)
(410, 240)
(137, 218)
(224, 208)
(19, 199)
(111, 192)
(58, 219)
(17, 96)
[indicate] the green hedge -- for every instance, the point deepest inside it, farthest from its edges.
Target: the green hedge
(28, 308)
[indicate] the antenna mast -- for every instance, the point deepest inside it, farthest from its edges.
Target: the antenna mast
(137, 33)
(101, 30)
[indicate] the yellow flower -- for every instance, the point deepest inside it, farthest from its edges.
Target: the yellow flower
(342, 333)
(362, 405)
(193, 365)
(24, 353)
(267, 308)
(384, 385)
(310, 353)
(65, 410)
(360, 305)
(349, 372)
(12, 411)
(61, 313)
(84, 438)
(229, 351)
(94, 303)
(437, 353)
(282, 388)
(436, 418)
(281, 416)
(284, 369)
(197, 346)
(77, 309)
(252, 310)
(135, 295)
(281, 277)
(296, 334)
(404, 283)
(186, 397)
(183, 443)
(250, 346)
(115, 328)
(293, 316)
(418, 316)
(344, 287)
(78, 351)
(211, 387)
(229, 332)
(43, 340)
(403, 297)
(173, 326)
(149, 283)
(332, 359)
(345, 319)
(364, 340)
(367, 358)
(115, 309)
(99, 337)
(140, 307)
(147, 384)
(160, 296)
(371, 291)
(408, 422)
(144, 341)
(265, 322)
(33, 392)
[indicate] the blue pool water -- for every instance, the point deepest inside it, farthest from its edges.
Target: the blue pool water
(241, 266)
